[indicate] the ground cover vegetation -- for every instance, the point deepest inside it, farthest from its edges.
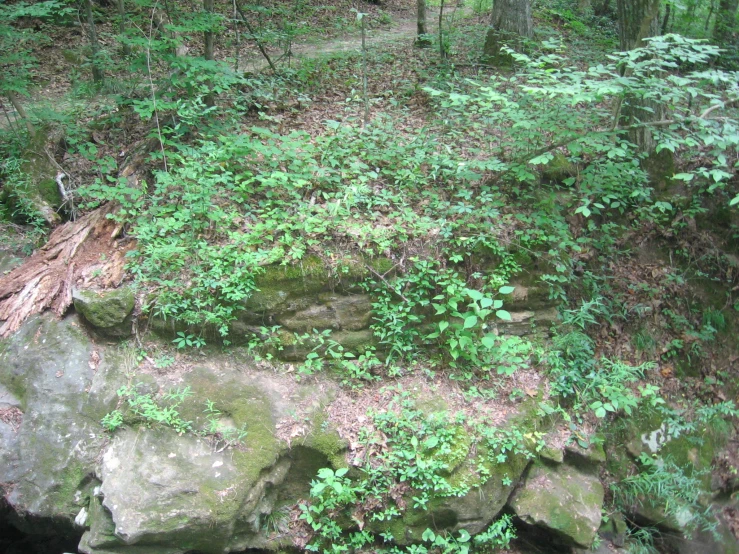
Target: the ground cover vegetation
(225, 137)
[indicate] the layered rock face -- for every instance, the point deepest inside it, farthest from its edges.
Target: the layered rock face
(223, 464)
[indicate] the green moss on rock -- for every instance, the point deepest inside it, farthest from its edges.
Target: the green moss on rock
(558, 169)
(105, 310)
(561, 500)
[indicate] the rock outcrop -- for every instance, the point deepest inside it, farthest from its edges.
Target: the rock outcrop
(563, 500)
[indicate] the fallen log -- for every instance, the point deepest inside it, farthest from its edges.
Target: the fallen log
(80, 253)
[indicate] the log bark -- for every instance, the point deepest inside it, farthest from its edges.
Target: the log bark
(46, 279)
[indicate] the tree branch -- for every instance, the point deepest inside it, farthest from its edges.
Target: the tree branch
(254, 36)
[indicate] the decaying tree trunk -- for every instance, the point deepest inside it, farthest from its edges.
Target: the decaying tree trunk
(46, 279)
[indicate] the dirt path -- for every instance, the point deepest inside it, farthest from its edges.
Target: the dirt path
(401, 29)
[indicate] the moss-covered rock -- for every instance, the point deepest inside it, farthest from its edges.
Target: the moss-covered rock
(646, 433)
(176, 493)
(8, 262)
(107, 311)
(562, 500)
(587, 459)
(558, 169)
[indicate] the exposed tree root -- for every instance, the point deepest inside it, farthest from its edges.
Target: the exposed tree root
(79, 253)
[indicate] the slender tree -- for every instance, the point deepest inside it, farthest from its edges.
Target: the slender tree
(726, 30)
(122, 25)
(511, 21)
(97, 71)
(209, 35)
(422, 39)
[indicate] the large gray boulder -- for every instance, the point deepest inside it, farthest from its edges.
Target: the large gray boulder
(47, 373)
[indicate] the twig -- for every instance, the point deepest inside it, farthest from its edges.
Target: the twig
(254, 36)
(153, 90)
(382, 278)
(67, 195)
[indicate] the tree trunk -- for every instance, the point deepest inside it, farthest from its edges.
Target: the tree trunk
(725, 31)
(97, 71)
(13, 97)
(209, 35)
(583, 6)
(122, 25)
(639, 19)
(666, 19)
(422, 39)
(602, 8)
(511, 21)
(708, 17)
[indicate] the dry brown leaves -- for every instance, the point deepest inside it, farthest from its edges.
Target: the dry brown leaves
(350, 411)
(11, 415)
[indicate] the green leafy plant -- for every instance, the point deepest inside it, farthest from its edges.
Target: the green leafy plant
(420, 450)
(183, 340)
(149, 409)
(224, 436)
(670, 488)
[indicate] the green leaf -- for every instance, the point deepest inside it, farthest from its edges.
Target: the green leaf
(687, 177)
(431, 442)
(487, 302)
(474, 294)
(428, 535)
(506, 289)
(542, 159)
(584, 210)
(443, 326)
(470, 321)
(488, 341)
(504, 315)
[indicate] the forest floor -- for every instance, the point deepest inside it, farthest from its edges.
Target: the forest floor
(678, 294)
